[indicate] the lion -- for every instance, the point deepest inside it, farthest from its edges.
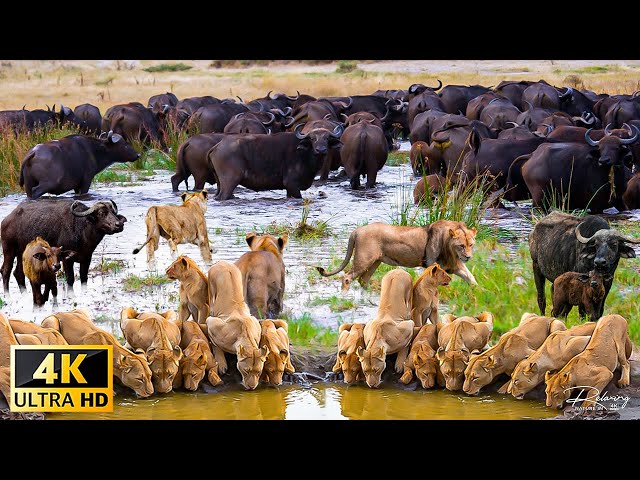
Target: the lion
(5, 384)
(159, 337)
(457, 338)
(446, 242)
(351, 338)
(513, 346)
(422, 357)
(263, 274)
(425, 298)
(275, 337)
(7, 338)
(392, 329)
(231, 327)
(29, 333)
(130, 369)
(197, 359)
(178, 224)
(194, 289)
(607, 350)
(553, 354)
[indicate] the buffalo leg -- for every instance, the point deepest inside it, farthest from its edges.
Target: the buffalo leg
(68, 272)
(355, 182)
(54, 291)
(225, 190)
(37, 294)
(6, 270)
(176, 180)
(326, 166)
(539, 279)
(18, 273)
(295, 193)
(84, 271)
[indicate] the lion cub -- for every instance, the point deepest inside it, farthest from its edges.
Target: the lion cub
(197, 358)
(178, 224)
(392, 329)
(276, 338)
(425, 294)
(350, 340)
(422, 358)
(263, 274)
(194, 289)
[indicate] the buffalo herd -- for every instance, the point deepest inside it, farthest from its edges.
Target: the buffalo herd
(551, 145)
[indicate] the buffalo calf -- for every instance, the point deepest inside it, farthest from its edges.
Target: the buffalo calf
(583, 289)
(41, 262)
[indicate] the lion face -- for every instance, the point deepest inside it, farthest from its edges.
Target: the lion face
(426, 368)
(193, 367)
(558, 388)
(478, 374)
(462, 241)
(178, 268)
(136, 374)
(250, 365)
(373, 364)
(452, 365)
(351, 366)
(274, 366)
(164, 366)
(524, 378)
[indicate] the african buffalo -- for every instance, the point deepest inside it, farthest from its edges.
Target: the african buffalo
(278, 100)
(476, 105)
(331, 160)
(498, 113)
(157, 103)
(91, 116)
(456, 97)
(590, 175)
(631, 197)
(191, 159)
(562, 243)
(264, 162)
(421, 126)
(575, 103)
(66, 223)
(247, 122)
(134, 122)
(623, 111)
(423, 103)
(364, 152)
(542, 95)
(191, 104)
(71, 163)
(513, 91)
(213, 118)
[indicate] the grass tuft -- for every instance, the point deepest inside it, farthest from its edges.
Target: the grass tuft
(335, 303)
(133, 282)
(168, 67)
(303, 331)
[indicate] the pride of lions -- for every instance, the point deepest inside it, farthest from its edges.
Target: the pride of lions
(233, 309)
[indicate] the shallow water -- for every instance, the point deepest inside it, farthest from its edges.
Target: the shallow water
(322, 401)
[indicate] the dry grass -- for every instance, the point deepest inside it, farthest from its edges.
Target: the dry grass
(36, 83)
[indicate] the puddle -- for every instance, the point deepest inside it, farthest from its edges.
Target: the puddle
(322, 401)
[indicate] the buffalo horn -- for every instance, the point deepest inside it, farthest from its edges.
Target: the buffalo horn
(589, 140)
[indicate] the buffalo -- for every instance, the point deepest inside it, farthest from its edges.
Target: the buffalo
(191, 159)
(542, 95)
(134, 122)
(70, 163)
(591, 175)
(513, 91)
(157, 103)
(248, 122)
(91, 116)
(364, 152)
(455, 98)
(65, 223)
(191, 104)
(213, 118)
(562, 243)
(264, 162)
(331, 160)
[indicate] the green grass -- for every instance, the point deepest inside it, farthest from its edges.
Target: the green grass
(597, 69)
(112, 176)
(110, 265)
(396, 159)
(347, 66)
(336, 303)
(507, 290)
(133, 282)
(302, 230)
(304, 332)
(168, 67)
(105, 81)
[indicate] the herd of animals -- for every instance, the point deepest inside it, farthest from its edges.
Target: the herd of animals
(531, 137)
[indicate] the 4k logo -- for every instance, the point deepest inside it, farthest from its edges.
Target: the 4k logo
(61, 378)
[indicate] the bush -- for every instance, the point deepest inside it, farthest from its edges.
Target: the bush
(346, 66)
(168, 67)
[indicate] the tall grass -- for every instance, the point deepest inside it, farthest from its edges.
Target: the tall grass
(304, 331)
(15, 145)
(461, 203)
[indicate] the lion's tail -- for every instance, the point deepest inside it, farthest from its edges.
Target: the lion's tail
(352, 241)
(152, 228)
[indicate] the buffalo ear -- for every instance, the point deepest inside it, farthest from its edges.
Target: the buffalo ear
(40, 256)
(474, 140)
(626, 251)
(584, 278)
(67, 254)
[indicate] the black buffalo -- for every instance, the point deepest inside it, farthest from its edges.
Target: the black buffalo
(213, 118)
(91, 116)
(364, 151)
(562, 243)
(191, 159)
(70, 163)
(157, 103)
(134, 122)
(264, 162)
(67, 223)
(455, 98)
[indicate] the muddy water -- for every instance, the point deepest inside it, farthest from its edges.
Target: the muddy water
(322, 401)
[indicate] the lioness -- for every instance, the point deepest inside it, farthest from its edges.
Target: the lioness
(178, 224)
(29, 333)
(5, 383)
(513, 346)
(351, 338)
(7, 338)
(392, 329)
(130, 369)
(159, 337)
(553, 354)
(194, 290)
(197, 358)
(422, 357)
(457, 338)
(276, 338)
(231, 327)
(446, 242)
(263, 274)
(425, 298)
(593, 368)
